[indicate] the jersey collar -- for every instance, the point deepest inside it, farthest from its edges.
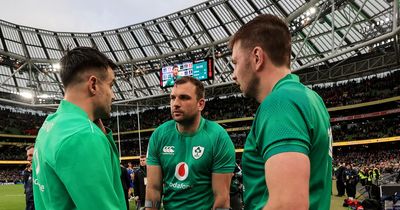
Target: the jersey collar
(68, 107)
(287, 78)
(201, 125)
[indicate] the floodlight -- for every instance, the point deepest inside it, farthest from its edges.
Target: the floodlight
(26, 94)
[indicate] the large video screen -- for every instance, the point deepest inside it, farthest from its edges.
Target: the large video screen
(199, 69)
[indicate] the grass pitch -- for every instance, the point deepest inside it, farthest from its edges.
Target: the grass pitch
(12, 197)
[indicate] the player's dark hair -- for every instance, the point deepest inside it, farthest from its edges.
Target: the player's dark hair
(143, 156)
(29, 147)
(80, 60)
(268, 32)
(200, 93)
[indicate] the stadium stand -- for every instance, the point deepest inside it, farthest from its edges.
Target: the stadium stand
(233, 107)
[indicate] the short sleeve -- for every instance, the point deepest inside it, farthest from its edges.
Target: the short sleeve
(281, 126)
(153, 157)
(224, 154)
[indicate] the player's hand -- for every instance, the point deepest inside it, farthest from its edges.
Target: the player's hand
(99, 123)
(136, 198)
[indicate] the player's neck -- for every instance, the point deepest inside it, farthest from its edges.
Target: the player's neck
(78, 98)
(189, 128)
(269, 79)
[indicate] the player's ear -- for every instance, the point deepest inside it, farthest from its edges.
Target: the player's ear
(201, 104)
(259, 57)
(92, 85)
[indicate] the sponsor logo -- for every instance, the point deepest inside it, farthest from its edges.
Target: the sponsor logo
(36, 182)
(47, 126)
(36, 157)
(168, 150)
(179, 185)
(197, 152)
(181, 171)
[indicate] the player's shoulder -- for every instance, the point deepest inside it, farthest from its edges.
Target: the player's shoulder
(288, 94)
(62, 126)
(212, 125)
(215, 131)
(74, 120)
(165, 128)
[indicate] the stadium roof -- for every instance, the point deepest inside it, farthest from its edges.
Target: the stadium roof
(324, 34)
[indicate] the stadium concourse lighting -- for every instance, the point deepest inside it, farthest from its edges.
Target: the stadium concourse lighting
(56, 66)
(312, 10)
(304, 19)
(44, 96)
(26, 94)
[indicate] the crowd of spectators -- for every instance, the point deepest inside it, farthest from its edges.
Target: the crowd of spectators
(17, 121)
(11, 174)
(385, 156)
(369, 128)
(354, 92)
(337, 94)
(12, 153)
(366, 128)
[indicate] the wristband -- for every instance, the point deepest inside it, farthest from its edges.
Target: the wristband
(151, 204)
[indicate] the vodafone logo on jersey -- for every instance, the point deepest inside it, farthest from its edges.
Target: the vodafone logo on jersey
(181, 171)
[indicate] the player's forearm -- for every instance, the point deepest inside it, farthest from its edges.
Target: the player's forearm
(286, 204)
(221, 201)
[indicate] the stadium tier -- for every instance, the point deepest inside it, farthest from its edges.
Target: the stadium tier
(235, 113)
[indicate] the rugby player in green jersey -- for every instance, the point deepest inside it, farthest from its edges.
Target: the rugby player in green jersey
(175, 76)
(75, 161)
(190, 160)
(287, 158)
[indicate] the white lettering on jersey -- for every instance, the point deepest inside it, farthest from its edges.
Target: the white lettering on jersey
(47, 126)
(168, 150)
(181, 171)
(36, 182)
(37, 170)
(36, 159)
(179, 185)
(330, 141)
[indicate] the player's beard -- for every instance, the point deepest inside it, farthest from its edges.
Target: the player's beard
(185, 120)
(251, 90)
(102, 113)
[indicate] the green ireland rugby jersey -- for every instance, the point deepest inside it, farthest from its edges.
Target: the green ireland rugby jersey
(188, 161)
(75, 165)
(292, 118)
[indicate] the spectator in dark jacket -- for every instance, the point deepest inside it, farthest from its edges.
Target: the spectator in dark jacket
(339, 179)
(350, 178)
(125, 180)
(140, 182)
(28, 180)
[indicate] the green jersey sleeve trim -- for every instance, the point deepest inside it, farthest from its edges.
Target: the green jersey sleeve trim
(224, 153)
(224, 170)
(286, 146)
